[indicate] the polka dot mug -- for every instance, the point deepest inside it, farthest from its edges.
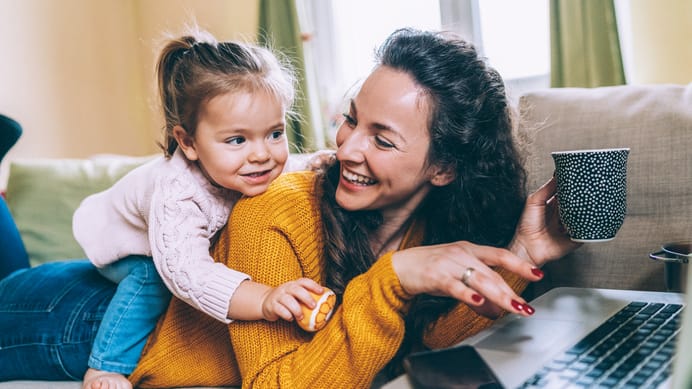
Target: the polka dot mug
(592, 192)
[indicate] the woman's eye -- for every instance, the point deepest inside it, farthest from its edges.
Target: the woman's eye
(350, 121)
(236, 140)
(383, 143)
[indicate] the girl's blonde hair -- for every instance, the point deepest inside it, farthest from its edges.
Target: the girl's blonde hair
(195, 68)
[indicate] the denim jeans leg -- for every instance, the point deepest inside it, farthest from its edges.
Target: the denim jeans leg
(141, 298)
(13, 255)
(49, 316)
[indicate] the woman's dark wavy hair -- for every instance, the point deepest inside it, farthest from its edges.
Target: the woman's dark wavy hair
(471, 131)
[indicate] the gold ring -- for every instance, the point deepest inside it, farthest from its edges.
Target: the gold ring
(467, 276)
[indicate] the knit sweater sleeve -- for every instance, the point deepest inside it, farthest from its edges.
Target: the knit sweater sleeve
(183, 219)
(277, 237)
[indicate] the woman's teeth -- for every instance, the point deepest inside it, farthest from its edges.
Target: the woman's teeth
(358, 179)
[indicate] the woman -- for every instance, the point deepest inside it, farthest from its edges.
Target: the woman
(430, 125)
(425, 157)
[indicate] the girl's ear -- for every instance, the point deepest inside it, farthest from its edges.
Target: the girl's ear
(442, 176)
(185, 142)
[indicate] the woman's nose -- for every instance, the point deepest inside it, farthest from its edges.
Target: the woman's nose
(352, 146)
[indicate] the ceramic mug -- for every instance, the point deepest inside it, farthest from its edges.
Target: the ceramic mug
(674, 257)
(678, 252)
(592, 192)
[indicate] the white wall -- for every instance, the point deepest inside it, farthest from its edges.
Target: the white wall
(656, 42)
(78, 74)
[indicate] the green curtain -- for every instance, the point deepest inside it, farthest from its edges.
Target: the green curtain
(279, 29)
(584, 45)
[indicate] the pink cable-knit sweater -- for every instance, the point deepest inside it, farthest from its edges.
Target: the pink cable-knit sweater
(168, 210)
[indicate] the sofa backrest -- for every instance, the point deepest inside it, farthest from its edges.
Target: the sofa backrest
(655, 122)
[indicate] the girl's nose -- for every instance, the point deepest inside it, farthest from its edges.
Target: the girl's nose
(259, 152)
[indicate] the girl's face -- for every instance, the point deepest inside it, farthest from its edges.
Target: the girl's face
(383, 145)
(240, 142)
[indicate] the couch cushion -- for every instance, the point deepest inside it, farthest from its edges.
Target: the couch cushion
(42, 195)
(655, 122)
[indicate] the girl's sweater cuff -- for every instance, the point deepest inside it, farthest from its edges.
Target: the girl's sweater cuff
(219, 290)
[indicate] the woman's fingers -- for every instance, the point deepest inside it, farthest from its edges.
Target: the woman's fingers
(543, 194)
(463, 270)
(495, 289)
(493, 256)
(493, 286)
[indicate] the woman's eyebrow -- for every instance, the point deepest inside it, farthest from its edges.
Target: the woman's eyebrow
(352, 107)
(377, 125)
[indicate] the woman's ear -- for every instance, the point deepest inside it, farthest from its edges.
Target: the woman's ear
(442, 176)
(185, 142)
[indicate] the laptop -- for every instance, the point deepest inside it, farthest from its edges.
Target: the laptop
(563, 344)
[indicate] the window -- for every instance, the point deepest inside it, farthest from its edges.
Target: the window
(360, 26)
(513, 35)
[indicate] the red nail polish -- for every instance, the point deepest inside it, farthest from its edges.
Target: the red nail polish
(529, 309)
(476, 298)
(517, 305)
(537, 272)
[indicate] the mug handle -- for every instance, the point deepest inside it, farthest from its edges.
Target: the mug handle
(657, 256)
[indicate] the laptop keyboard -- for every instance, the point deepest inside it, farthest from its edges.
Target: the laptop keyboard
(632, 349)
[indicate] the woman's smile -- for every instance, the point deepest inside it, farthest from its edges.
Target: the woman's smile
(357, 179)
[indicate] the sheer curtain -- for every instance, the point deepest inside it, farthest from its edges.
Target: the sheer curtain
(585, 49)
(279, 29)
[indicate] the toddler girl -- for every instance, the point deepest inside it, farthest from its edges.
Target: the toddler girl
(225, 106)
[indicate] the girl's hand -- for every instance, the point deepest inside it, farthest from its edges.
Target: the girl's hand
(540, 237)
(283, 301)
(462, 270)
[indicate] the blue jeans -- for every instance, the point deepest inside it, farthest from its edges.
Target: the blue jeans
(13, 255)
(134, 310)
(49, 316)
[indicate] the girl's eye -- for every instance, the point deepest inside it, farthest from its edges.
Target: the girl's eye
(236, 140)
(350, 121)
(383, 143)
(277, 134)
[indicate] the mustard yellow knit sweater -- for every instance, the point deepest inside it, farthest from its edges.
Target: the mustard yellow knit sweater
(276, 237)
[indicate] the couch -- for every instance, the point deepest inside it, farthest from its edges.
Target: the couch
(654, 121)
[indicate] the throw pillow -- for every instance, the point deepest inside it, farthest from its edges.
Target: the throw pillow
(42, 195)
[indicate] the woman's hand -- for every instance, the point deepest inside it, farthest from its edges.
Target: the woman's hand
(462, 270)
(540, 237)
